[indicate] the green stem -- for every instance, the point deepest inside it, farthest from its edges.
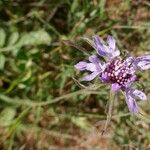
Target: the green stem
(109, 114)
(31, 103)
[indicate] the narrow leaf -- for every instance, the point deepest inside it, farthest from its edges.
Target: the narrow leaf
(2, 61)
(2, 37)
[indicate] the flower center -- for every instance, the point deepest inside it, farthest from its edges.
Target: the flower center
(118, 71)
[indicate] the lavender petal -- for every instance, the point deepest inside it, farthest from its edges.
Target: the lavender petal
(91, 67)
(104, 77)
(81, 65)
(130, 81)
(111, 42)
(100, 48)
(90, 76)
(94, 59)
(115, 87)
(139, 94)
(132, 105)
(116, 53)
(143, 62)
(144, 65)
(129, 60)
(146, 57)
(98, 64)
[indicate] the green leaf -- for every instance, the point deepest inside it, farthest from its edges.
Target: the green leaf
(2, 37)
(34, 38)
(13, 38)
(7, 116)
(74, 5)
(2, 61)
(102, 8)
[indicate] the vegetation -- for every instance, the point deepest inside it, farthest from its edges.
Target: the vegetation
(41, 107)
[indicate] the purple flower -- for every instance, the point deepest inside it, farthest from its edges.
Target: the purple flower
(118, 72)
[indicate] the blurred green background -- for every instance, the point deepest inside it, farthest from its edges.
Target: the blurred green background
(41, 108)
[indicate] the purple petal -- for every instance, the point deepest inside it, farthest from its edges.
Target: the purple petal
(93, 59)
(116, 53)
(91, 67)
(144, 65)
(115, 87)
(100, 48)
(81, 65)
(132, 105)
(139, 94)
(143, 62)
(90, 77)
(131, 80)
(98, 64)
(132, 70)
(104, 77)
(146, 57)
(111, 42)
(129, 60)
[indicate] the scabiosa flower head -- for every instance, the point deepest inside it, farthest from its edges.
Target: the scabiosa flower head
(118, 72)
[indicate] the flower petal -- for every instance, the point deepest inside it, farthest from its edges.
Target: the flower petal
(90, 76)
(115, 87)
(111, 42)
(100, 48)
(116, 53)
(94, 59)
(81, 65)
(146, 57)
(144, 65)
(99, 65)
(143, 62)
(130, 81)
(139, 94)
(129, 60)
(132, 105)
(91, 67)
(104, 77)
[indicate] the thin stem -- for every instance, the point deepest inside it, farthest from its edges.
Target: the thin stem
(109, 115)
(31, 103)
